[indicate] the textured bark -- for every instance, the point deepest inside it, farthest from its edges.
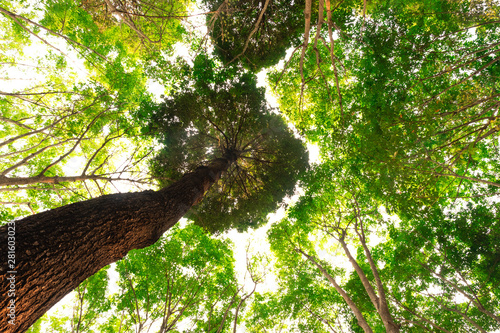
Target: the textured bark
(56, 250)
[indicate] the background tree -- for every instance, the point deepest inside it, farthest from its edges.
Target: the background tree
(409, 98)
(302, 302)
(401, 106)
(67, 132)
(431, 271)
(335, 218)
(59, 139)
(187, 276)
(255, 33)
(450, 260)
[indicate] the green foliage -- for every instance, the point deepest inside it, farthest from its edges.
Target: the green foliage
(403, 105)
(449, 262)
(185, 276)
(286, 311)
(224, 114)
(91, 301)
(438, 267)
(417, 114)
(141, 28)
(280, 29)
(73, 118)
(402, 101)
(66, 130)
(331, 213)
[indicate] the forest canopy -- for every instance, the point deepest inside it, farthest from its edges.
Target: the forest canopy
(394, 228)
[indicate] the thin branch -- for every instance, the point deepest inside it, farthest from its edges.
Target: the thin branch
(254, 30)
(307, 28)
(15, 17)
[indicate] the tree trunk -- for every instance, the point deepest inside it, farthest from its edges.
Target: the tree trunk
(58, 249)
(354, 308)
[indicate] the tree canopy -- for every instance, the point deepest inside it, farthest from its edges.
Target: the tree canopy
(250, 31)
(218, 113)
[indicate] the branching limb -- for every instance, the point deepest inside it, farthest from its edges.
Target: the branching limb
(254, 30)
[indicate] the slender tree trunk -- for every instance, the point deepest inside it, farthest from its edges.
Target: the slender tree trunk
(379, 302)
(354, 308)
(58, 249)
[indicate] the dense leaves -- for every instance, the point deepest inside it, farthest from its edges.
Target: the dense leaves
(142, 26)
(224, 114)
(257, 32)
(409, 101)
(451, 264)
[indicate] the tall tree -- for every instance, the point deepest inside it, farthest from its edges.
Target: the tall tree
(340, 216)
(89, 235)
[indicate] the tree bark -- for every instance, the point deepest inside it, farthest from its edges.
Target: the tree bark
(58, 249)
